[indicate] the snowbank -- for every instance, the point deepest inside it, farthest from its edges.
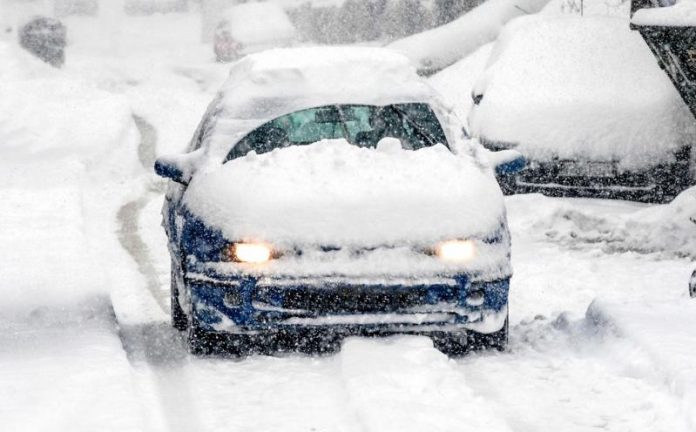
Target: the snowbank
(677, 13)
(668, 229)
(580, 88)
(438, 48)
(332, 192)
(60, 139)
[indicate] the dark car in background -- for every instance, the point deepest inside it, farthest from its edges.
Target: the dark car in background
(589, 109)
(45, 38)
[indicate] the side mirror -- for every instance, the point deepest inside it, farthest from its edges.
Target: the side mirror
(507, 162)
(170, 168)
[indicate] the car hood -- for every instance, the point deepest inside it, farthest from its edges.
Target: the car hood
(334, 193)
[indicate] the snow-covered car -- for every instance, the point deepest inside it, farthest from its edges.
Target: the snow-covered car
(251, 27)
(584, 101)
(327, 192)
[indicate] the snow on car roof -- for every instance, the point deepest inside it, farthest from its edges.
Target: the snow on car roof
(580, 88)
(679, 13)
(267, 85)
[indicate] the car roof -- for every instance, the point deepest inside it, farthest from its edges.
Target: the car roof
(267, 85)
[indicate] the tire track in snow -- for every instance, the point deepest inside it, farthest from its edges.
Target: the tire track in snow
(156, 351)
(572, 376)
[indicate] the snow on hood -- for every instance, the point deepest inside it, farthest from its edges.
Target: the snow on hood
(267, 85)
(334, 193)
(580, 88)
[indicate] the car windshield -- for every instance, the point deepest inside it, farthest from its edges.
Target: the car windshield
(414, 124)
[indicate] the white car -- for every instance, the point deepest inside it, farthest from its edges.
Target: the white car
(327, 192)
(251, 27)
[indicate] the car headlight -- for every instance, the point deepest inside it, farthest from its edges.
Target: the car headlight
(456, 251)
(252, 252)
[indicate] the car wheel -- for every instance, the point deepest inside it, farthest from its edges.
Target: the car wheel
(179, 319)
(692, 285)
(452, 344)
(203, 343)
(508, 184)
(484, 341)
(672, 179)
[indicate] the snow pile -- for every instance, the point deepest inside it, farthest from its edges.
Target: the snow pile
(668, 229)
(332, 192)
(43, 110)
(456, 82)
(259, 24)
(61, 139)
(677, 13)
(580, 88)
(435, 49)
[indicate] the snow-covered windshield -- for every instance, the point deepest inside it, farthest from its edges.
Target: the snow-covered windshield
(414, 124)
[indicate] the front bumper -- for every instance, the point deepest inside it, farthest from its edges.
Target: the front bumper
(253, 305)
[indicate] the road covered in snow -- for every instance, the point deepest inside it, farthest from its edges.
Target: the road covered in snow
(601, 323)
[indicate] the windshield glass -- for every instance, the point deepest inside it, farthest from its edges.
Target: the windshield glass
(414, 124)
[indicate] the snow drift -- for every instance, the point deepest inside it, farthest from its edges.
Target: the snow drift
(580, 88)
(669, 229)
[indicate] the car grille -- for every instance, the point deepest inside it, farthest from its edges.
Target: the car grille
(351, 299)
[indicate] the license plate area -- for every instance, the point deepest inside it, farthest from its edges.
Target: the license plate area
(587, 169)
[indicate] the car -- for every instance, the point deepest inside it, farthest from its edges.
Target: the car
(584, 101)
(328, 192)
(149, 7)
(692, 285)
(45, 38)
(251, 27)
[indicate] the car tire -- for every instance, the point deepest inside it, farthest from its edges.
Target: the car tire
(692, 285)
(489, 341)
(508, 184)
(453, 345)
(205, 343)
(179, 319)
(672, 179)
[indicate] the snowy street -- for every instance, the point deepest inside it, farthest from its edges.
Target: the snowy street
(602, 332)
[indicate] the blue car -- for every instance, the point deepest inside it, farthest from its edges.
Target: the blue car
(328, 192)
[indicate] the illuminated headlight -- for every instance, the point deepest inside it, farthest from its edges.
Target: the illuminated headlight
(254, 253)
(456, 251)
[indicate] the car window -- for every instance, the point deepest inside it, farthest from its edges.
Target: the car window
(414, 124)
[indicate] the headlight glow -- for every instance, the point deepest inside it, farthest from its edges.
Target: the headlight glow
(458, 251)
(254, 253)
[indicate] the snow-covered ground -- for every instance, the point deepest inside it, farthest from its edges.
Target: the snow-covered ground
(601, 325)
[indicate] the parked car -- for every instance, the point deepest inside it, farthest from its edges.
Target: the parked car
(325, 193)
(63, 8)
(45, 38)
(149, 7)
(251, 27)
(584, 101)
